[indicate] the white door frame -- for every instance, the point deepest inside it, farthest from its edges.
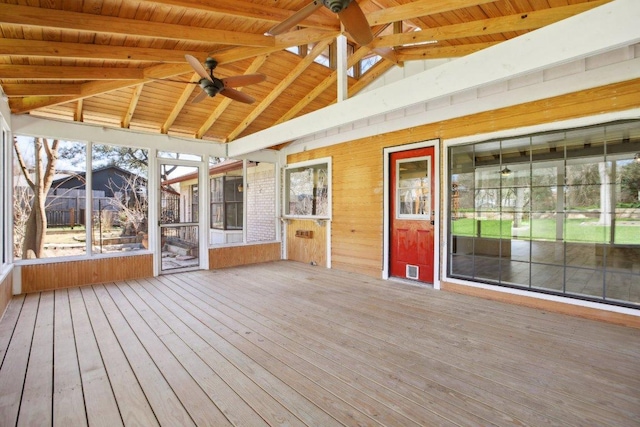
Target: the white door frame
(203, 213)
(435, 143)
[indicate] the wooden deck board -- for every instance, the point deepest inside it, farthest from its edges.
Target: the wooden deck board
(68, 398)
(286, 343)
(101, 405)
(16, 359)
(36, 407)
(166, 406)
(133, 406)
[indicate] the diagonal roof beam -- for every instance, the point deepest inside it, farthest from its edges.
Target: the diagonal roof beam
(62, 19)
(277, 91)
(483, 27)
(253, 68)
(179, 105)
(133, 103)
(322, 86)
(23, 105)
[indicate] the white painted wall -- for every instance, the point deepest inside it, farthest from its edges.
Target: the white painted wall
(409, 69)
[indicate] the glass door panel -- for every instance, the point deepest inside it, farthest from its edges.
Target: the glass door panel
(178, 217)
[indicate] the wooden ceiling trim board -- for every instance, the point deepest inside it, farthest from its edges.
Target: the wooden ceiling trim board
(52, 49)
(215, 115)
(53, 18)
(416, 9)
(184, 97)
(135, 97)
(35, 89)
(517, 22)
(281, 87)
(435, 52)
(37, 72)
(324, 85)
(251, 11)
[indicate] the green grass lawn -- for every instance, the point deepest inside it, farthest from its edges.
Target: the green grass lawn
(575, 230)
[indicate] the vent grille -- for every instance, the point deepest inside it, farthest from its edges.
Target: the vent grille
(412, 272)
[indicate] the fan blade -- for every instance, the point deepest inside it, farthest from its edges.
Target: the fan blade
(294, 19)
(199, 97)
(247, 79)
(237, 95)
(197, 67)
(354, 21)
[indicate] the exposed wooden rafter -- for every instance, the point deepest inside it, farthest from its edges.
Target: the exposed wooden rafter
(280, 87)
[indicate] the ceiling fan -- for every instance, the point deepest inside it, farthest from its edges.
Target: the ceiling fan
(348, 11)
(211, 86)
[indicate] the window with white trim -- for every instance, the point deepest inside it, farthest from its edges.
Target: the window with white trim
(308, 189)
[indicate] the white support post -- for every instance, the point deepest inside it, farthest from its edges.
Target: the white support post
(343, 87)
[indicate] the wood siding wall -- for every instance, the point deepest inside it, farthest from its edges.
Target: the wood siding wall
(6, 291)
(307, 249)
(57, 275)
(356, 238)
(231, 256)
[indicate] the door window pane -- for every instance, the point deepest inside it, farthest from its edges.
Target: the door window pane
(414, 188)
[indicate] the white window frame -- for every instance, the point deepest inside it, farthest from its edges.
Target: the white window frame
(305, 164)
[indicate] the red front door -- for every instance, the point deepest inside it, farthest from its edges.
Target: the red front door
(412, 214)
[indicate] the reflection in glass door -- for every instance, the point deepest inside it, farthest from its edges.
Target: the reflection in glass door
(178, 217)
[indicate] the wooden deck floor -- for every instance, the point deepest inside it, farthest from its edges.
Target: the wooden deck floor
(291, 344)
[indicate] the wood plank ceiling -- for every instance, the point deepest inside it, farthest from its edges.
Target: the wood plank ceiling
(121, 63)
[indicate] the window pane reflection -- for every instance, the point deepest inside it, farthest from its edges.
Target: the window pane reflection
(557, 212)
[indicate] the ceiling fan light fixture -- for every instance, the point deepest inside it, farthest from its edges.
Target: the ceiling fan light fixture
(336, 6)
(505, 172)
